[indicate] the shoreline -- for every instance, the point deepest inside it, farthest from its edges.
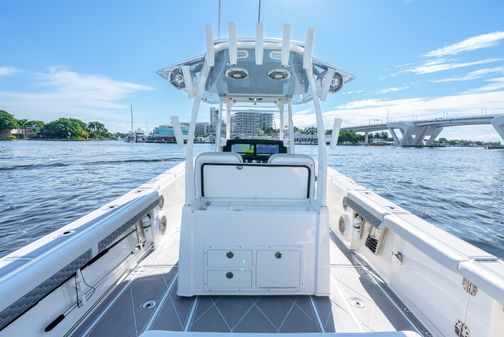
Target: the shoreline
(150, 142)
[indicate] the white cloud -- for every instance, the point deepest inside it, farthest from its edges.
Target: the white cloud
(496, 83)
(352, 92)
(473, 75)
(391, 89)
(472, 43)
(465, 104)
(66, 93)
(7, 71)
(376, 103)
(434, 66)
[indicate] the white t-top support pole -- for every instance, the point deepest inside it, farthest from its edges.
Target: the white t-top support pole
(281, 109)
(229, 106)
(259, 49)
(286, 44)
(322, 150)
(218, 127)
(335, 133)
(186, 72)
(233, 51)
(291, 128)
(189, 174)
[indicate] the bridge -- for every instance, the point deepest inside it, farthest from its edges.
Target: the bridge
(424, 132)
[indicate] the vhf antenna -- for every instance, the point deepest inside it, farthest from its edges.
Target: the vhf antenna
(259, 12)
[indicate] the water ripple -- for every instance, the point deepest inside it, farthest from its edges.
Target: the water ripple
(46, 185)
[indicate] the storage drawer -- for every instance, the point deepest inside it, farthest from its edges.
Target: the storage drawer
(229, 258)
(278, 268)
(229, 279)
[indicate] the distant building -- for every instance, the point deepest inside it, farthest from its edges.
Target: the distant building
(250, 123)
(166, 132)
(212, 129)
(266, 120)
(214, 118)
(25, 133)
(202, 129)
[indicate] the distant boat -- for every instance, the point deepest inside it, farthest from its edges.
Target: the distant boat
(381, 142)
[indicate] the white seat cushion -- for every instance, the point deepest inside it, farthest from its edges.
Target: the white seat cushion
(214, 158)
(296, 159)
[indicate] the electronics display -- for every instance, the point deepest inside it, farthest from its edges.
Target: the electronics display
(254, 150)
(243, 148)
(267, 149)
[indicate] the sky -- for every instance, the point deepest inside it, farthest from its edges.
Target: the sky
(413, 59)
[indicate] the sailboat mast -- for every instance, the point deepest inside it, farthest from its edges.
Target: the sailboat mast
(131, 111)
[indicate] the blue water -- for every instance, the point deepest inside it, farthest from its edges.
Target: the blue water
(46, 185)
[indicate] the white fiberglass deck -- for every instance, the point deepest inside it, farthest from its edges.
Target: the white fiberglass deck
(359, 302)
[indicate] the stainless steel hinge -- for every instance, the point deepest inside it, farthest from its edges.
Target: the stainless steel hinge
(469, 287)
(461, 329)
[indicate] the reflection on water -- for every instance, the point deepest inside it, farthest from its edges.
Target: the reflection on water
(45, 185)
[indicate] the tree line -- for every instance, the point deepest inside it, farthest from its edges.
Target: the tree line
(62, 128)
(345, 136)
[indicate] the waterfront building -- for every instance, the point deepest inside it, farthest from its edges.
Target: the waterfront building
(166, 132)
(251, 123)
(25, 133)
(202, 129)
(214, 117)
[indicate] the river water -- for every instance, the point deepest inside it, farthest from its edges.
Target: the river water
(46, 185)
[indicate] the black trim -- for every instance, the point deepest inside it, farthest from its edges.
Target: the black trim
(262, 158)
(258, 164)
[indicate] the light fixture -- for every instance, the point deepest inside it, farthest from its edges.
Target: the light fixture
(146, 221)
(237, 73)
(336, 83)
(177, 78)
(279, 74)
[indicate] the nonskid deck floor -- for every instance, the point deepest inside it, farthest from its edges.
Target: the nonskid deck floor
(358, 302)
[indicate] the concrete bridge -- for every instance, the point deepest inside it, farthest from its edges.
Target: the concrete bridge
(424, 132)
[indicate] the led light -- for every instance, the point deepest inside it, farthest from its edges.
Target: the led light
(237, 73)
(177, 78)
(146, 221)
(279, 74)
(336, 83)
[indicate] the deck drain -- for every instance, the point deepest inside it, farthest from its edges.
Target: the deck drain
(149, 304)
(356, 302)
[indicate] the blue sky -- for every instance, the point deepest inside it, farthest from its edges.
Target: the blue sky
(412, 59)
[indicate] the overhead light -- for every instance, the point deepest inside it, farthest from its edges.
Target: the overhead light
(177, 78)
(279, 74)
(237, 73)
(336, 83)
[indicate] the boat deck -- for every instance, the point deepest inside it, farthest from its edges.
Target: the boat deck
(147, 300)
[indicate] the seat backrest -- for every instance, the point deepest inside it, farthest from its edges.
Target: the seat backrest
(213, 158)
(222, 176)
(296, 159)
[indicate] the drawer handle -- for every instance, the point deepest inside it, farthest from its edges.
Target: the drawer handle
(229, 255)
(229, 275)
(278, 255)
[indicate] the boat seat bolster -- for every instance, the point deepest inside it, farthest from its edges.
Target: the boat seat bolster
(293, 159)
(218, 157)
(296, 159)
(213, 158)
(223, 175)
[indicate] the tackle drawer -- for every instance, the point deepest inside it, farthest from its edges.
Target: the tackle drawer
(229, 258)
